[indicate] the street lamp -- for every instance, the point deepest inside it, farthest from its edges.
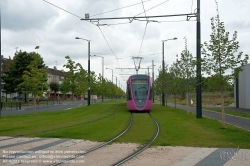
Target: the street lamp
(112, 74)
(163, 71)
(102, 71)
(116, 85)
(88, 67)
(112, 78)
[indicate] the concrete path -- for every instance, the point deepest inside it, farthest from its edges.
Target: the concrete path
(46, 151)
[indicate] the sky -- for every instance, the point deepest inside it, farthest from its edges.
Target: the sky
(26, 24)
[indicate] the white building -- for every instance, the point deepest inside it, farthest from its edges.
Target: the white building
(242, 88)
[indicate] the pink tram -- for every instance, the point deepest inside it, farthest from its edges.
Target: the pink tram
(139, 93)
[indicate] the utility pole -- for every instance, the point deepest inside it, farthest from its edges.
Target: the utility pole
(198, 68)
(153, 81)
(163, 76)
(0, 65)
(89, 72)
(116, 85)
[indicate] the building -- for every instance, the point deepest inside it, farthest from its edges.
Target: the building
(55, 75)
(242, 88)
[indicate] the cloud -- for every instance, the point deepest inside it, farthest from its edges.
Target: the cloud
(20, 16)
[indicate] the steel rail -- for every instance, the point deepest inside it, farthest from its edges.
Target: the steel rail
(144, 147)
(97, 147)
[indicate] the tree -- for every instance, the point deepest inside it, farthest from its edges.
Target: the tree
(82, 82)
(175, 83)
(12, 76)
(34, 78)
(185, 70)
(220, 57)
(54, 86)
(69, 84)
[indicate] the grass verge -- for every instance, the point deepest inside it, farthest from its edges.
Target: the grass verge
(241, 114)
(181, 129)
(177, 128)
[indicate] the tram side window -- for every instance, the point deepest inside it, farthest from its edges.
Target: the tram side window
(128, 92)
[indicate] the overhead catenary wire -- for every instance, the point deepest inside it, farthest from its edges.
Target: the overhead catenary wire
(109, 46)
(119, 8)
(62, 9)
(143, 38)
(131, 20)
(144, 9)
(152, 8)
(87, 21)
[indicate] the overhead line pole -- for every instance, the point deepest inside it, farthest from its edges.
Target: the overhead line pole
(153, 88)
(0, 65)
(198, 68)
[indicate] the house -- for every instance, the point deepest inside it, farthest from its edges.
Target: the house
(54, 75)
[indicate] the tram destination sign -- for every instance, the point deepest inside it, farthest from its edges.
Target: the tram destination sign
(140, 81)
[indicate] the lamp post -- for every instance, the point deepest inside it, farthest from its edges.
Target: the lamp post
(88, 68)
(112, 74)
(102, 71)
(163, 71)
(112, 77)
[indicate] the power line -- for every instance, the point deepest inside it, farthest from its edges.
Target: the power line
(144, 9)
(62, 9)
(143, 38)
(120, 8)
(90, 22)
(109, 46)
(130, 18)
(152, 8)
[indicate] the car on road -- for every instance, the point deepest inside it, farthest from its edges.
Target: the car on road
(21, 97)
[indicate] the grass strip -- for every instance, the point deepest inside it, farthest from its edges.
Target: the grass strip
(230, 112)
(177, 128)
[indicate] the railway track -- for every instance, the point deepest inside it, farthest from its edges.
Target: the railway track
(96, 147)
(105, 143)
(41, 139)
(143, 147)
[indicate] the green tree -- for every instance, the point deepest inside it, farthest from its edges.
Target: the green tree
(185, 69)
(220, 56)
(175, 83)
(82, 81)
(34, 78)
(13, 75)
(54, 86)
(69, 84)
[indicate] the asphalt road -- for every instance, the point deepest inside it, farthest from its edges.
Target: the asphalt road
(45, 108)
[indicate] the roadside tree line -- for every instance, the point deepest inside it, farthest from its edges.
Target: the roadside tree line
(221, 64)
(27, 74)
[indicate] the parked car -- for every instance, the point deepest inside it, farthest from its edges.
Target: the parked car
(21, 97)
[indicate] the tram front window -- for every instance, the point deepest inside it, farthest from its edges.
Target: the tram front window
(140, 89)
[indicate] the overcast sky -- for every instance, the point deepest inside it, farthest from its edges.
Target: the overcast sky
(26, 24)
